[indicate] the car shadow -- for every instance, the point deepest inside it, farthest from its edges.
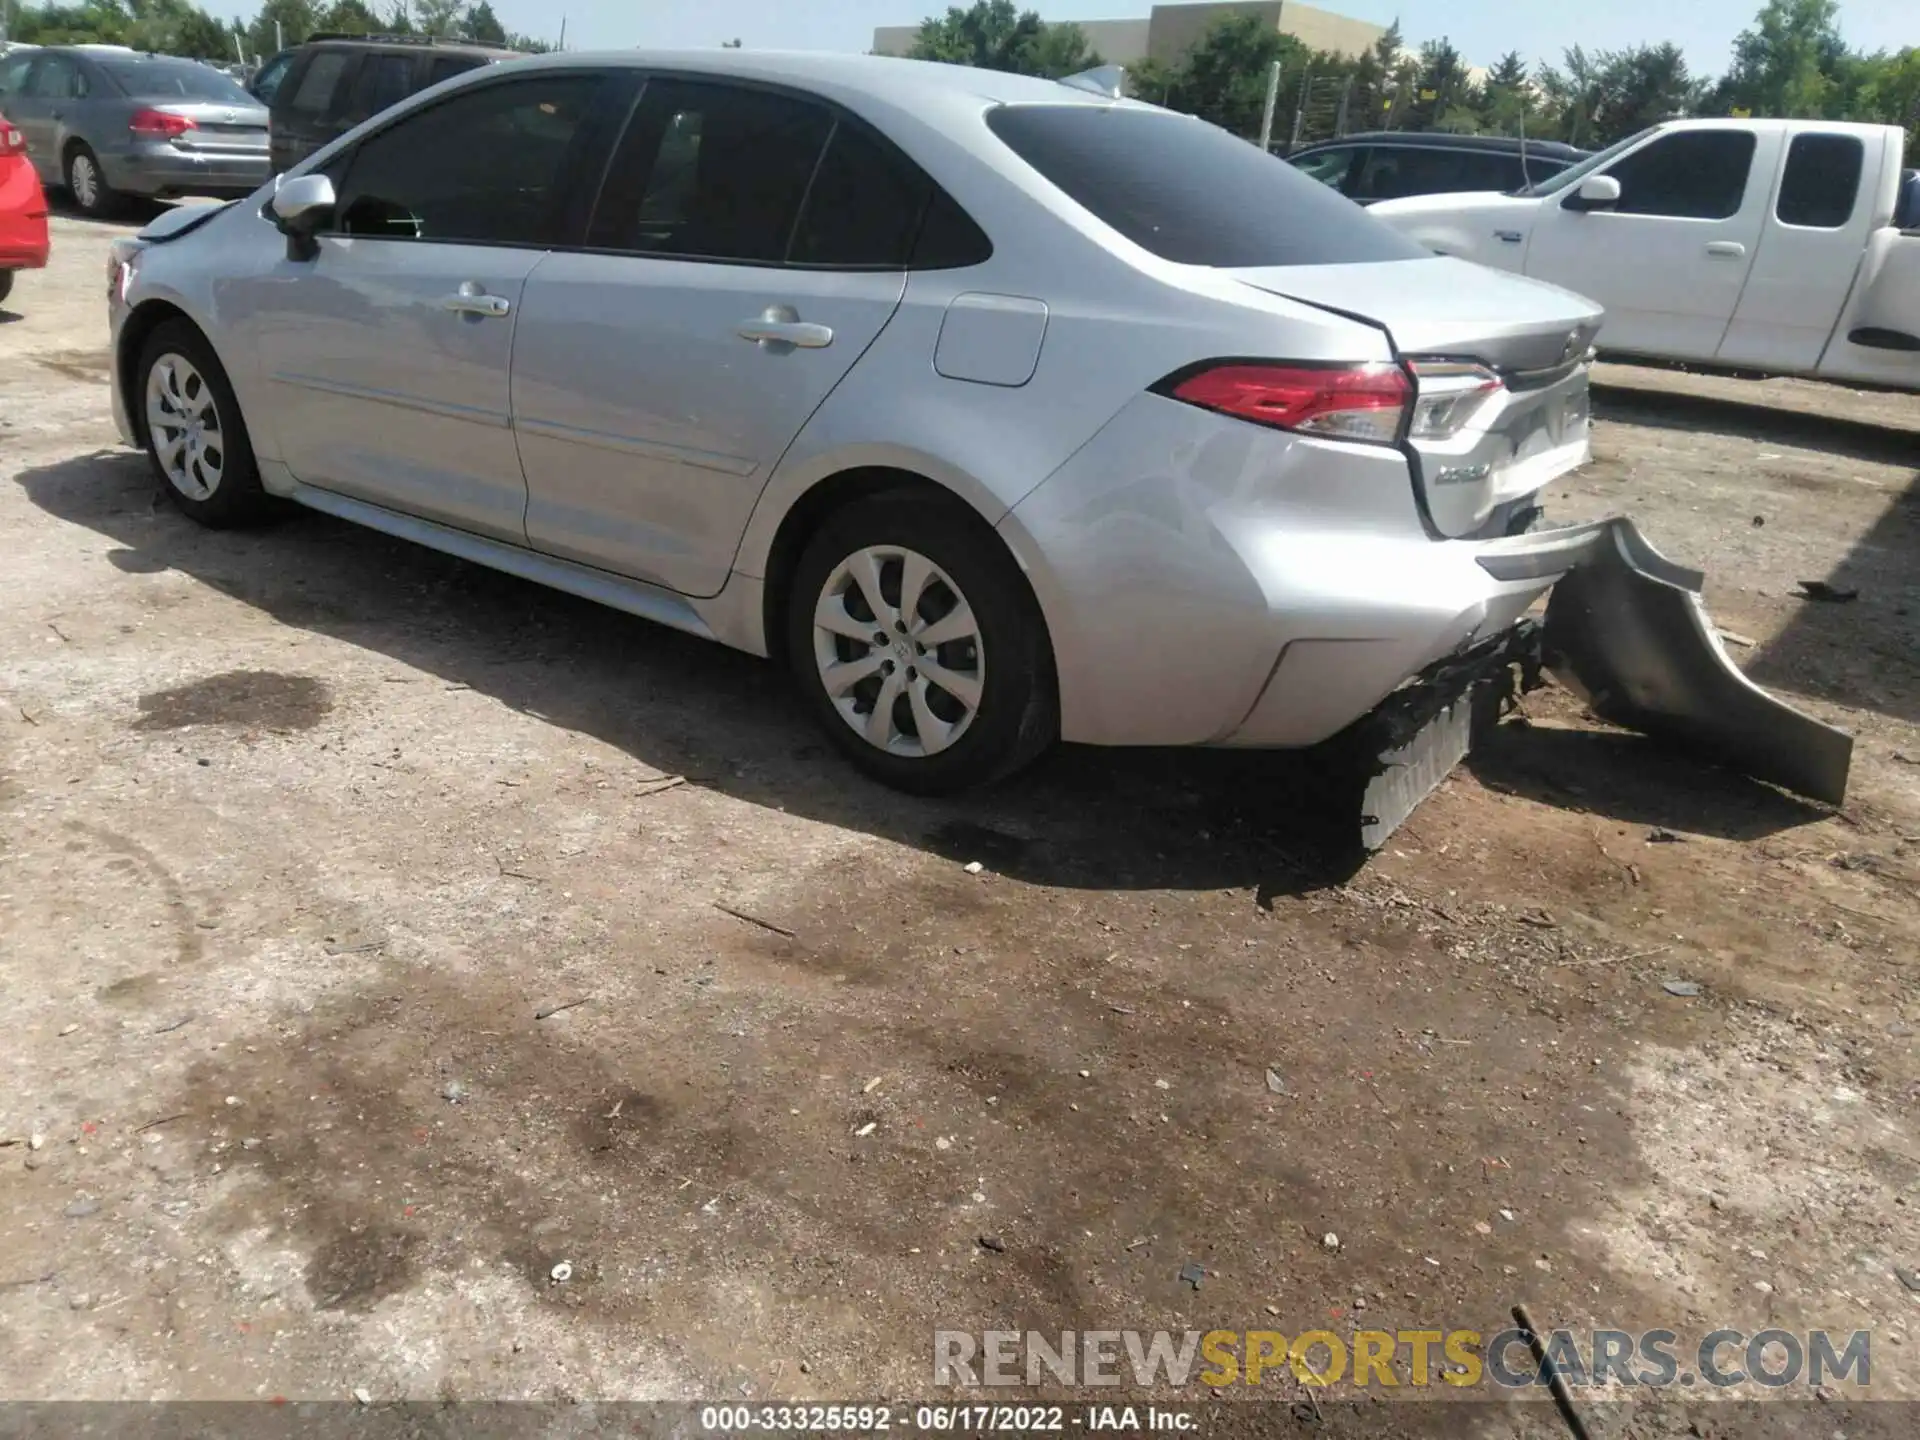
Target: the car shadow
(1083, 818)
(127, 210)
(1863, 651)
(1633, 780)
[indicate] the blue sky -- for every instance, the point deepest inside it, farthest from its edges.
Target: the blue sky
(1482, 29)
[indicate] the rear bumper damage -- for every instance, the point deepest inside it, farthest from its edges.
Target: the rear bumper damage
(1626, 630)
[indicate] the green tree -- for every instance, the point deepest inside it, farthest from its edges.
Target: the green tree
(1223, 78)
(992, 35)
(440, 17)
(297, 19)
(484, 26)
(349, 17)
(1788, 63)
(1506, 99)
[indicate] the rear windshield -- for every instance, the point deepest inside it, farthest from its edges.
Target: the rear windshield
(1188, 191)
(175, 80)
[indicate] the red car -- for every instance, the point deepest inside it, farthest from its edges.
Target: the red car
(23, 210)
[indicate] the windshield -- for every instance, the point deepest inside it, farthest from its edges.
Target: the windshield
(175, 80)
(1189, 192)
(1574, 174)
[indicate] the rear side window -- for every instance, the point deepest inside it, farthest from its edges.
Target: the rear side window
(313, 95)
(445, 67)
(1392, 171)
(1686, 175)
(864, 206)
(487, 165)
(1190, 192)
(383, 80)
(1822, 181)
(712, 172)
(13, 72)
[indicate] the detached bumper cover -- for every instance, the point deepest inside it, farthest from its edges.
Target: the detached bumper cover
(1627, 631)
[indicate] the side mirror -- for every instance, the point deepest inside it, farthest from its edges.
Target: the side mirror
(1596, 192)
(299, 208)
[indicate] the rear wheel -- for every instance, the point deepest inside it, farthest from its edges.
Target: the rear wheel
(195, 437)
(88, 185)
(919, 646)
(6, 283)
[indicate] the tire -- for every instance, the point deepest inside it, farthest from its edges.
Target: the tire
(210, 473)
(989, 644)
(6, 284)
(87, 184)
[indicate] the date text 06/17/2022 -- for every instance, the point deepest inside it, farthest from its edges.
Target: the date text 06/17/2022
(954, 1419)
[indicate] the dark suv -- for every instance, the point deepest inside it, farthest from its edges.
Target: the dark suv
(333, 82)
(1387, 164)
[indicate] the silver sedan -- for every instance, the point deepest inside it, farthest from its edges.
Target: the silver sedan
(999, 409)
(104, 122)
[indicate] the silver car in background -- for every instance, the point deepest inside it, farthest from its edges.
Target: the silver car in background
(999, 409)
(104, 122)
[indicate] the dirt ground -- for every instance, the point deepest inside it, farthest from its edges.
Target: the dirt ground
(306, 836)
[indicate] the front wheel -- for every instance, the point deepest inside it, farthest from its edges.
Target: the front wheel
(88, 185)
(195, 436)
(919, 646)
(6, 284)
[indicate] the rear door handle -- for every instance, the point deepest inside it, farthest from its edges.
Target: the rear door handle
(470, 299)
(1726, 249)
(780, 327)
(1510, 237)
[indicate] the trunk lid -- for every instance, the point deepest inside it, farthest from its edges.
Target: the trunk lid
(226, 129)
(1504, 440)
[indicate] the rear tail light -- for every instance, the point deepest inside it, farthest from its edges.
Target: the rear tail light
(1341, 402)
(1448, 395)
(160, 124)
(12, 142)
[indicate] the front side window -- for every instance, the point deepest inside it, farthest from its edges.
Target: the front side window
(266, 84)
(1686, 175)
(1822, 181)
(1189, 192)
(1329, 167)
(486, 165)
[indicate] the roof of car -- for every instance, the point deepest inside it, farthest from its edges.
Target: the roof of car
(1446, 140)
(885, 77)
(406, 42)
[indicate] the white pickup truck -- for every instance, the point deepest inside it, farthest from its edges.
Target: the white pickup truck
(1785, 246)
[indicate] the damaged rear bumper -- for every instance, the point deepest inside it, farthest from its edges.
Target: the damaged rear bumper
(1625, 629)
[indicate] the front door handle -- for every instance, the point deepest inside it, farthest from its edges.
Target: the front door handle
(1726, 249)
(779, 327)
(470, 299)
(1508, 237)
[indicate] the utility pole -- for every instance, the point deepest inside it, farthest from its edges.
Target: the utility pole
(1273, 99)
(563, 32)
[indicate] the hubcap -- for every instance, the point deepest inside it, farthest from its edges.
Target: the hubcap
(86, 184)
(185, 425)
(899, 651)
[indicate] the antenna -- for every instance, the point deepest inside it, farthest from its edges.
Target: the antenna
(1107, 80)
